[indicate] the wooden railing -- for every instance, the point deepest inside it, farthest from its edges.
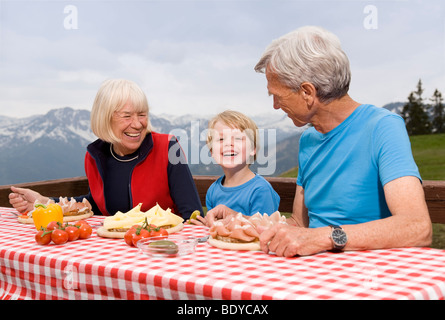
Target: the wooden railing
(285, 187)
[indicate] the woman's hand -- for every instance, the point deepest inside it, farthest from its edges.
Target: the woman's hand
(23, 199)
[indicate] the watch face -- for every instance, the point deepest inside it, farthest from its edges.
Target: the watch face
(339, 237)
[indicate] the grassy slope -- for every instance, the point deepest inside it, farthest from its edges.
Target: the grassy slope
(429, 154)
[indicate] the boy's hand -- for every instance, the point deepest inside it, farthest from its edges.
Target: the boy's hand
(217, 213)
(199, 221)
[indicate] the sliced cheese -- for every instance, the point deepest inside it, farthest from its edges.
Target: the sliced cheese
(156, 216)
(160, 217)
(124, 220)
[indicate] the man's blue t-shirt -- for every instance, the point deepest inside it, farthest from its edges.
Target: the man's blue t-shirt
(256, 195)
(343, 171)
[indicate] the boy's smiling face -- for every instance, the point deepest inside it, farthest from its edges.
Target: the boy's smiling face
(230, 147)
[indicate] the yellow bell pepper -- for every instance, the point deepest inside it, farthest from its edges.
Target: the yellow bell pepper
(44, 214)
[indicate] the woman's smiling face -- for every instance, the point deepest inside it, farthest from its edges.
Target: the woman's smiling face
(130, 127)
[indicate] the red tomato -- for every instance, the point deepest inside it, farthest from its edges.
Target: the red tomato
(73, 233)
(59, 236)
(128, 237)
(138, 235)
(52, 225)
(85, 230)
(80, 222)
(158, 232)
(24, 215)
(163, 232)
(43, 237)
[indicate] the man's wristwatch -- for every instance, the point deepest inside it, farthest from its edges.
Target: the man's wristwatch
(338, 237)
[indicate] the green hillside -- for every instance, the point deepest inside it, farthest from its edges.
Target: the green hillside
(429, 154)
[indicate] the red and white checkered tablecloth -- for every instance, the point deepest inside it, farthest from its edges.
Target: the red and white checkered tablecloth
(99, 268)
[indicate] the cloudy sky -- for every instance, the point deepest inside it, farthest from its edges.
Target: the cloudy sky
(197, 56)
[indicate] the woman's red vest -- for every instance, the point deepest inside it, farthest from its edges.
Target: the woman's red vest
(149, 180)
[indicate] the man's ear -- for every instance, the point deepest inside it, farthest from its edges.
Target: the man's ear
(308, 88)
(309, 93)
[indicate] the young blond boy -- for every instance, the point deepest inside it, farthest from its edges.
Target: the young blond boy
(233, 143)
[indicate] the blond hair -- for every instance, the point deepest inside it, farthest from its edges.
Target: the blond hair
(235, 120)
(112, 96)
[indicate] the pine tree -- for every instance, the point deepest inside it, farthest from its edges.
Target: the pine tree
(414, 113)
(438, 112)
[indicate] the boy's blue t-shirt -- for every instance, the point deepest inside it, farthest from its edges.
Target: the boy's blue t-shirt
(343, 171)
(256, 195)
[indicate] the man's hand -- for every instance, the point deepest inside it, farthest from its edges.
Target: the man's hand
(288, 241)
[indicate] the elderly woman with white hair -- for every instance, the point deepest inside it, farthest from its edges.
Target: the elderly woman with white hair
(358, 186)
(129, 163)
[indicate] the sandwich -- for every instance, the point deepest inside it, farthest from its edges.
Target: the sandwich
(75, 211)
(72, 210)
(239, 232)
(116, 226)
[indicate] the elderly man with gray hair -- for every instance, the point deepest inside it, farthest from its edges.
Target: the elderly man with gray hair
(358, 186)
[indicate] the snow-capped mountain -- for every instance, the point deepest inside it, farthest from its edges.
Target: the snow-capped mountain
(43, 147)
(64, 125)
(52, 146)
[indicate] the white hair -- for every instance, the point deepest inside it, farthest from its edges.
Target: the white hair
(112, 96)
(309, 54)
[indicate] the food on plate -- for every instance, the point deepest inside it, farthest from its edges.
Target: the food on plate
(146, 230)
(239, 232)
(71, 210)
(60, 233)
(264, 221)
(44, 214)
(116, 226)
